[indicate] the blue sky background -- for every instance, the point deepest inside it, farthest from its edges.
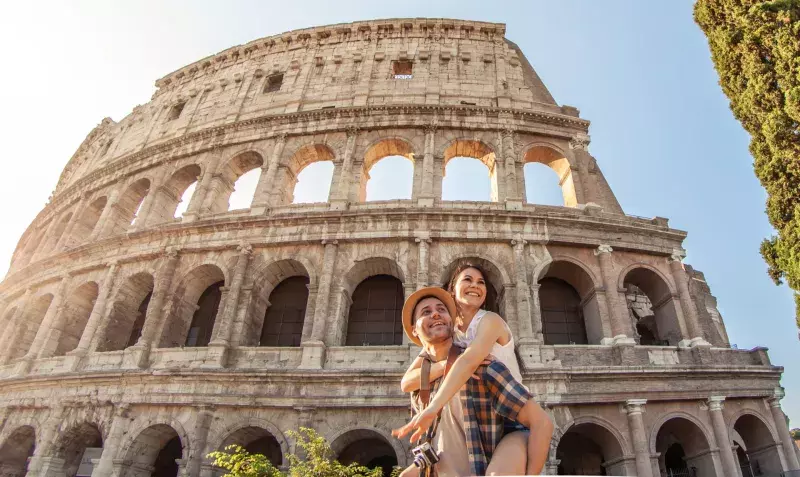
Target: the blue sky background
(640, 71)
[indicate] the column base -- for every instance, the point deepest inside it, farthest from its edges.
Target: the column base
(339, 204)
(23, 366)
(514, 204)
(694, 343)
(425, 202)
(313, 355)
(258, 210)
(534, 355)
(136, 357)
(216, 355)
(619, 340)
(74, 359)
(189, 217)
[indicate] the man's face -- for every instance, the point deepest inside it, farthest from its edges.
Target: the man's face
(432, 321)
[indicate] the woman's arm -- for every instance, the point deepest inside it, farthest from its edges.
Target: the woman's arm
(410, 381)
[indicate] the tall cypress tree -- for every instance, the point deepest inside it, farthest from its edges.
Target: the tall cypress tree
(755, 46)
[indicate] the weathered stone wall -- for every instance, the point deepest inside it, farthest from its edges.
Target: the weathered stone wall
(84, 276)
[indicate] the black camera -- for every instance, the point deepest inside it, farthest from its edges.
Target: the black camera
(424, 455)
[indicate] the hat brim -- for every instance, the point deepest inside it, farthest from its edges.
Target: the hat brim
(411, 303)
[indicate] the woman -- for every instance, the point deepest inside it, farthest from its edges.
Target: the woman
(482, 333)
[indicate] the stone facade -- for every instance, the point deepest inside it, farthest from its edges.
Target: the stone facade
(149, 338)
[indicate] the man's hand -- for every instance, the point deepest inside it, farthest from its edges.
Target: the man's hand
(419, 424)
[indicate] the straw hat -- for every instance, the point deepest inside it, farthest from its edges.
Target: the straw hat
(411, 303)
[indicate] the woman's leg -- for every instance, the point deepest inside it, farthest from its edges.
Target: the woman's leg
(511, 455)
(410, 471)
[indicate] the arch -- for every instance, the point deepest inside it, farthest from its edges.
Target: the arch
(128, 310)
(87, 220)
(374, 318)
(195, 306)
(556, 159)
(155, 449)
(368, 446)
(29, 325)
(169, 198)
(286, 175)
(235, 168)
(138, 426)
(15, 451)
(653, 306)
(591, 447)
(759, 444)
(73, 442)
(57, 232)
(31, 246)
(378, 150)
(254, 428)
(372, 266)
(681, 437)
(256, 440)
(127, 207)
(286, 313)
(75, 316)
(475, 149)
(570, 310)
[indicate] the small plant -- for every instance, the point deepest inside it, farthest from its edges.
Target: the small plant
(319, 461)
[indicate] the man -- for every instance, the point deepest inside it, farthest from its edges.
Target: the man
(470, 426)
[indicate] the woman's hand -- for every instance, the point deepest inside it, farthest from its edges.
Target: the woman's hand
(419, 424)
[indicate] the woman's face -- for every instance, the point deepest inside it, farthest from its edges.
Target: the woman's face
(470, 288)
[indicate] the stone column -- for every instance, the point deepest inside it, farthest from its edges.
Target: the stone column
(143, 217)
(53, 311)
(14, 329)
(64, 241)
(724, 443)
(427, 193)
(536, 313)
(783, 430)
(266, 183)
(342, 190)
(49, 433)
(314, 349)
(155, 310)
(194, 210)
(513, 197)
(687, 304)
(99, 230)
(621, 329)
(634, 409)
(96, 322)
(424, 242)
(201, 426)
(111, 445)
(579, 147)
(526, 333)
(219, 345)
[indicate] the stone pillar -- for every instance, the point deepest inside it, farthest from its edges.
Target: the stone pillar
(427, 193)
(525, 332)
(64, 241)
(423, 240)
(314, 349)
(721, 435)
(223, 326)
(14, 329)
(89, 336)
(621, 329)
(687, 304)
(513, 197)
(536, 313)
(783, 430)
(194, 210)
(266, 183)
(634, 409)
(155, 310)
(100, 227)
(49, 434)
(201, 426)
(111, 445)
(53, 311)
(579, 147)
(143, 217)
(342, 190)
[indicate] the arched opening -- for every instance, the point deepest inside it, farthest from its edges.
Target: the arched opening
(75, 316)
(556, 161)
(29, 324)
(760, 450)
(542, 185)
(78, 446)
(569, 305)
(128, 311)
(128, 206)
(590, 449)
(683, 449)
(744, 461)
(495, 291)
(185, 199)
(227, 183)
(307, 177)
(58, 232)
(256, 440)
(155, 451)
(367, 448)
(652, 308)
(286, 312)
(88, 220)
(172, 199)
(31, 246)
(388, 171)
(375, 314)
(461, 175)
(16, 450)
(244, 189)
(194, 308)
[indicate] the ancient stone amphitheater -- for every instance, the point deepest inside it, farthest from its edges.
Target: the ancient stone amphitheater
(135, 342)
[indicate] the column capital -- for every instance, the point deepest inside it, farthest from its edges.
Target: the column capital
(431, 127)
(519, 241)
(423, 240)
(281, 137)
(603, 248)
(635, 406)
(330, 242)
(245, 249)
(172, 252)
(775, 399)
(351, 131)
(508, 132)
(678, 254)
(122, 409)
(580, 142)
(715, 403)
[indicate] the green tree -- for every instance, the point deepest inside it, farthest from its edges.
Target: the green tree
(795, 434)
(755, 46)
(318, 461)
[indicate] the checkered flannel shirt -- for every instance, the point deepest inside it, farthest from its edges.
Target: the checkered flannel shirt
(490, 396)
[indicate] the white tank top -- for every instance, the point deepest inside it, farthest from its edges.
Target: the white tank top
(503, 353)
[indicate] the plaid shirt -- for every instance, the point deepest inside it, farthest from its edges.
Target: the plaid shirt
(486, 401)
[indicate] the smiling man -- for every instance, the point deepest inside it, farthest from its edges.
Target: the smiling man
(470, 426)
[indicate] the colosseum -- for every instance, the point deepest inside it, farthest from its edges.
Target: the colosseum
(144, 327)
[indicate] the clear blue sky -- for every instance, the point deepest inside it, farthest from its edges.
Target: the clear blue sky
(640, 71)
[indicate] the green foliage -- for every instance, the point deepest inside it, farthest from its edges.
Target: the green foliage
(795, 434)
(755, 46)
(318, 461)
